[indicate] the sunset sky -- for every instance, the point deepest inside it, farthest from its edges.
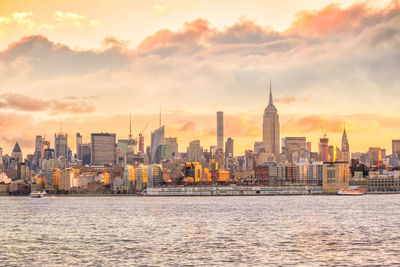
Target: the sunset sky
(90, 63)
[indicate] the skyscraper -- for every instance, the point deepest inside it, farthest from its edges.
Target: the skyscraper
(345, 147)
(157, 138)
(194, 151)
(38, 148)
(78, 143)
(103, 148)
(294, 148)
(173, 144)
(17, 153)
(323, 149)
(220, 130)
(229, 147)
(141, 143)
(61, 145)
(271, 129)
(85, 153)
(396, 148)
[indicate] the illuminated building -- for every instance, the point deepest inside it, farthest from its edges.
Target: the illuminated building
(192, 172)
(141, 177)
(103, 148)
(129, 177)
(220, 130)
(271, 130)
(154, 175)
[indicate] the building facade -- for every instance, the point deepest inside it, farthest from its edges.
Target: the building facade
(103, 148)
(220, 130)
(271, 130)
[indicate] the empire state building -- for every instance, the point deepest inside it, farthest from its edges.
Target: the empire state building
(271, 129)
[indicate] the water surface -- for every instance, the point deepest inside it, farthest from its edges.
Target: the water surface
(193, 231)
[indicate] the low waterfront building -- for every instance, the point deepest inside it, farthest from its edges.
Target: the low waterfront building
(335, 176)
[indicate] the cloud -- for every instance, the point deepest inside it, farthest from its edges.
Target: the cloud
(69, 18)
(189, 126)
(333, 20)
(46, 58)
(112, 42)
(12, 101)
(290, 99)
(201, 69)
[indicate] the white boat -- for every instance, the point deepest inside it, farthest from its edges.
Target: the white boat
(38, 194)
(352, 191)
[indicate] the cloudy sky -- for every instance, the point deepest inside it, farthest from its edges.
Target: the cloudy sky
(91, 63)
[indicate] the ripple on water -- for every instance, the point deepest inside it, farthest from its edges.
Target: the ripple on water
(221, 231)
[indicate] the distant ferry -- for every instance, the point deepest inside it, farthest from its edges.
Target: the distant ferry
(38, 194)
(352, 191)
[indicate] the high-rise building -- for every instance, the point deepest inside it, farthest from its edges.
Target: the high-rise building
(17, 153)
(103, 148)
(229, 148)
(78, 143)
(259, 147)
(194, 151)
(220, 130)
(345, 154)
(61, 145)
(157, 138)
(141, 143)
(163, 152)
(294, 148)
(323, 149)
(308, 146)
(396, 148)
(85, 153)
(375, 155)
(173, 144)
(271, 131)
(38, 149)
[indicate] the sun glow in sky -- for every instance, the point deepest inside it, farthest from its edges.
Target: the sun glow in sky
(91, 63)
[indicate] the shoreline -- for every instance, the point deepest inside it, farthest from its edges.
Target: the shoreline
(194, 195)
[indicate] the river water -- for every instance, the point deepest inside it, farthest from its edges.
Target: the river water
(193, 231)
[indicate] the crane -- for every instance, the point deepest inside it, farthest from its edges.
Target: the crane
(323, 131)
(144, 129)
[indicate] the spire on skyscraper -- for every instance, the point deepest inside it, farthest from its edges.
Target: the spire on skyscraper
(130, 126)
(270, 104)
(344, 137)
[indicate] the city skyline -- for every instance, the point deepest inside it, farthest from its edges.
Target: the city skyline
(223, 64)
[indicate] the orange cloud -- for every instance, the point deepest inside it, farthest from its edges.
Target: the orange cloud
(191, 33)
(25, 103)
(289, 99)
(335, 20)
